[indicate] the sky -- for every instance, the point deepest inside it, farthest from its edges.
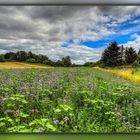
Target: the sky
(81, 32)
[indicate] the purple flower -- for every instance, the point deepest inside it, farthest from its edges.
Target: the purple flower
(16, 112)
(41, 129)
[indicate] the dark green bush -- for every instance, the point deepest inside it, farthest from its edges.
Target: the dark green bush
(135, 64)
(31, 60)
(2, 58)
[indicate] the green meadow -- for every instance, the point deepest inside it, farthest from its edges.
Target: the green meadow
(78, 99)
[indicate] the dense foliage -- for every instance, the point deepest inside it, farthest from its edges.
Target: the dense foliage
(30, 57)
(130, 55)
(112, 55)
(115, 55)
(67, 100)
(2, 58)
(136, 63)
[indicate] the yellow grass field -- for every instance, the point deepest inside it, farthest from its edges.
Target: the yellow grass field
(126, 73)
(11, 65)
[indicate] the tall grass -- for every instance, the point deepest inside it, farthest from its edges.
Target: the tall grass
(9, 65)
(126, 73)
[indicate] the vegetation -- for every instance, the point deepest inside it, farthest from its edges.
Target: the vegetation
(115, 55)
(14, 65)
(67, 100)
(74, 99)
(130, 55)
(112, 55)
(130, 73)
(2, 58)
(22, 56)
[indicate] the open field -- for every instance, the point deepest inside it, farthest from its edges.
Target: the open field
(126, 73)
(9, 65)
(67, 100)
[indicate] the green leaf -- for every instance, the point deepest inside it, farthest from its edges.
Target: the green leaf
(57, 110)
(36, 130)
(51, 127)
(2, 124)
(24, 115)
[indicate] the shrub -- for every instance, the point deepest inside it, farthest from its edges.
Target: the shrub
(46, 62)
(2, 58)
(31, 60)
(135, 64)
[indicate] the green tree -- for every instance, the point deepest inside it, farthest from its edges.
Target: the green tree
(112, 55)
(2, 58)
(59, 63)
(21, 56)
(10, 56)
(31, 60)
(122, 50)
(136, 63)
(41, 58)
(138, 57)
(90, 64)
(30, 55)
(130, 55)
(66, 61)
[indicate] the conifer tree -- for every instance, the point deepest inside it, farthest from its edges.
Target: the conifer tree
(112, 55)
(130, 55)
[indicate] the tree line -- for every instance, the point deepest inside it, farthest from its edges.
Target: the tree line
(30, 57)
(116, 55)
(113, 55)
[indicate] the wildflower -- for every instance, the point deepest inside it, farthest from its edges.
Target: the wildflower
(128, 124)
(56, 122)
(6, 111)
(16, 112)
(32, 110)
(66, 118)
(91, 85)
(41, 129)
(118, 113)
(123, 117)
(35, 110)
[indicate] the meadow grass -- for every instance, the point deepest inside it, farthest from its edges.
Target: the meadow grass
(9, 65)
(67, 100)
(128, 73)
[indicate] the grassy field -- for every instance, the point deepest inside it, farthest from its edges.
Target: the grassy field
(9, 65)
(67, 100)
(128, 73)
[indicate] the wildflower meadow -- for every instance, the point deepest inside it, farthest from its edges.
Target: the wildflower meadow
(78, 99)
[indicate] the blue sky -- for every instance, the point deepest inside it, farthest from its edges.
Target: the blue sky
(119, 37)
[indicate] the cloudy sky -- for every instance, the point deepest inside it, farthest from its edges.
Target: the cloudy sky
(82, 32)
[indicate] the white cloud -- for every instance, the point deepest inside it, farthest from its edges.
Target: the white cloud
(135, 43)
(44, 29)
